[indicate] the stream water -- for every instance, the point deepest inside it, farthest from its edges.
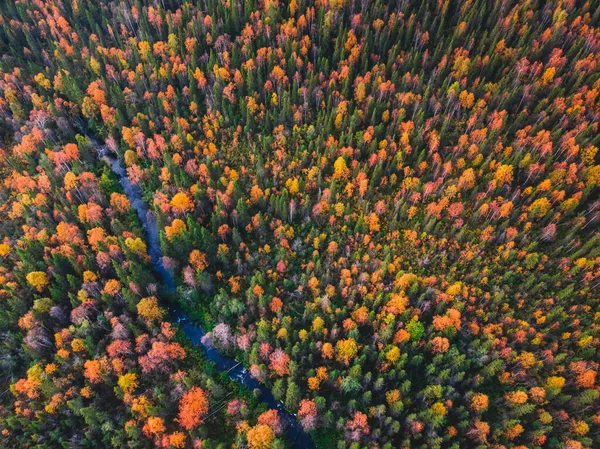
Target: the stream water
(236, 370)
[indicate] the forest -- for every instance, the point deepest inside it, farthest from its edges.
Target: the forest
(386, 213)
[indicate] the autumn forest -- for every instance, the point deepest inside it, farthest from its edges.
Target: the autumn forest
(273, 224)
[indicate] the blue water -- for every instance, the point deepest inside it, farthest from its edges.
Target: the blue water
(236, 371)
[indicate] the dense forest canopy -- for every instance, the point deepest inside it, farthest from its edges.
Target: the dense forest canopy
(387, 211)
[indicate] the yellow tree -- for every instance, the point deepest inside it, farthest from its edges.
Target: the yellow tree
(38, 280)
(181, 203)
(260, 437)
(504, 174)
(346, 350)
(149, 310)
(128, 382)
(340, 169)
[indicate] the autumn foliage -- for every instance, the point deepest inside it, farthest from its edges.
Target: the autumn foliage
(387, 211)
(193, 408)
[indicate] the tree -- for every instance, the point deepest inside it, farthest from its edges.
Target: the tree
(271, 419)
(504, 174)
(260, 437)
(154, 426)
(193, 408)
(93, 371)
(479, 402)
(161, 356)
(440, 345)
(128, 382)
(346, 350)
(279, 362)
(307, 413)
(176, 229)
(340, 169)
(181, 203)
(38, 280)
(136, 245)
(357, 427)
(149, 309)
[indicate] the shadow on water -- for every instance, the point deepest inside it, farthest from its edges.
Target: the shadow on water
(236, 370)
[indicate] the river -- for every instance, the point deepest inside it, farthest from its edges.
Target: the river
(236, 370)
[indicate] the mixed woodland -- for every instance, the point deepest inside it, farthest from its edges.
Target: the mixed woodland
(388, 211)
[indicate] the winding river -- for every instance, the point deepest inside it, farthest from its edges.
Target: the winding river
(236, 370)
